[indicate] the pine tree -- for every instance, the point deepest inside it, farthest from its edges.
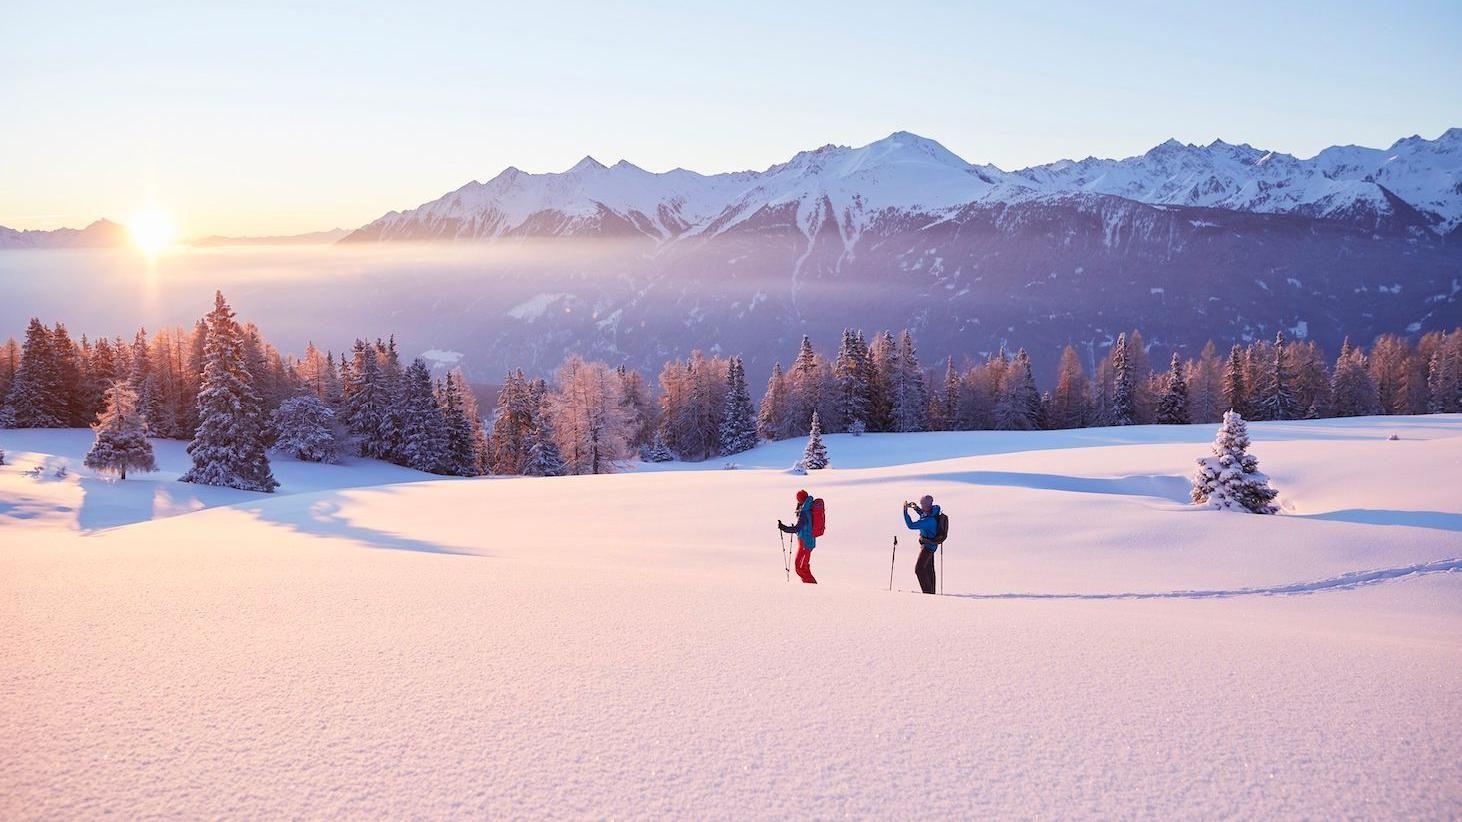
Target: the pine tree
(657, 450)
(121, 443)
(9, 364)
(639, 406)
(1070, 402)
(1442, 377)
(304, 427)
(1173, 408)
(1352, 392)
(507, 443)
(771, 417)
(1124, 397)
(1235, 389)
(70, 401)
(460, 457)
(1230, 479)
(422, 442)
(368, 403)
(1277, 401)
(804, 386)
(850, 369)
(1018, 407)
(882, 367)
(228, 448)
(34, 400)
(814, 456)
(738, 423)
(544, 459)
(907, 387)
(953, 395)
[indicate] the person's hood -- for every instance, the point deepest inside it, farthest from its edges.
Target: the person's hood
(934, 510)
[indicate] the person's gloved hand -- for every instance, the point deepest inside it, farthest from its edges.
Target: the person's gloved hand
(780, 525)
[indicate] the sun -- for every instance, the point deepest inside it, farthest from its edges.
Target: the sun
(152, 232)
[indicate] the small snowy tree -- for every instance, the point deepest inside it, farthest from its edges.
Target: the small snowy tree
(1230, 479)
(121, 441)
(1173, 408)
(657, 450)
(1124, 389)
(543, 459)
(304, 427)
(814, 457)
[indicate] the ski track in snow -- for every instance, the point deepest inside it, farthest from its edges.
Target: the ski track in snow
(1351, 580)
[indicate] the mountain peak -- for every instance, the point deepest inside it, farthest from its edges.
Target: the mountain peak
(585, 165)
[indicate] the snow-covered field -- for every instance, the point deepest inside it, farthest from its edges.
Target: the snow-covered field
(371, 641)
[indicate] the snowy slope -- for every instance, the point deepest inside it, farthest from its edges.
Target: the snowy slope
(100, 234)
(626, 645)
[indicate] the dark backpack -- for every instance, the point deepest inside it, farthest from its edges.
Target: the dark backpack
(943, 533)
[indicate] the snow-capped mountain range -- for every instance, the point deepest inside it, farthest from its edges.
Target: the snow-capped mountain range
(1415, 182)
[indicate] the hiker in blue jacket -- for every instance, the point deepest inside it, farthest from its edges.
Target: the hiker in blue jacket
(928, 527)
(805, 540)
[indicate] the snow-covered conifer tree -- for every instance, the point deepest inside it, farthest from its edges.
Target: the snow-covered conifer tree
(1352, 392)
(422, 437)
(507, 443)
(368, 403)
(804, 386)
(1172, 409)
(1070, 401)
(850, 368)
(657, 450)
(543, 458)
(1019, 405)
(1277, 402)
(1235, 387)
(1124, 397)
(460, 455)
(1230, 479)
(883, 359)
(738, 423)
(121, 442)
(35, 399)
(907, 387)
(228, 447)
(814, 456)
(771, 417)
(304, 427)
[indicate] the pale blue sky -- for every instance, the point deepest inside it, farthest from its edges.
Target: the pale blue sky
(267, 117)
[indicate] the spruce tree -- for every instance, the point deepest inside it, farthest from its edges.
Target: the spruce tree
(804, 386)
(1230, 480)
(228, 447)
(738, 423)
(1124, 396)
(368, 402)
(658, 451)
(543, 459)
(1018, 407)
(1352, 393)
(121, 443)
(507, 443)
(304, 427)
(849, 371)
(1278, 400)
(771, 417)
(35, 399)
(422, 436)
(1234, 387)
(1172, 409)
(460, 456)
(814, 456)
(907, 387)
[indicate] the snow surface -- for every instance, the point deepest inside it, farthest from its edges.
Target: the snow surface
(370, 641)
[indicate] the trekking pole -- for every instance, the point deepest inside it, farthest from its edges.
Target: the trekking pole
(941, 569)
(891, 559)
(785, 567)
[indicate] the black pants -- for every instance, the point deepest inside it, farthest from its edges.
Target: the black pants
(924, 570)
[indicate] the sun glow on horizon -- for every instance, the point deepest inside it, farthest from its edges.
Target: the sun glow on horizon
(152, 231)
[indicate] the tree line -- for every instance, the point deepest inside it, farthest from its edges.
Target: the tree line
(236, 397)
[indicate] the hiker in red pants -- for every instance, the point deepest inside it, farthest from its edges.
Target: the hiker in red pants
(805, 539)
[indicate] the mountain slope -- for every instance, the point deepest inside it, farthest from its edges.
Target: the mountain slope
(100, 234)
